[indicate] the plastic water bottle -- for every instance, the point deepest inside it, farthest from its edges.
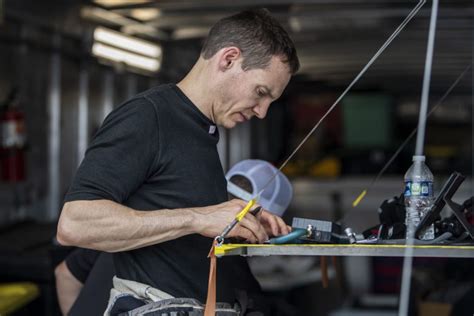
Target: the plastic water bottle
(418, 197)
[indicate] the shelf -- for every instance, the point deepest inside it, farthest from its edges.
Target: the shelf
(344, 250)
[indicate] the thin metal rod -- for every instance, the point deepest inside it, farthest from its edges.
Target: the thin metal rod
(108, 93)
(408, 254)
(83, 113)
(420, 136)
(361, 73)
(407, 140)
(131, 85)
(406, 275)
(54, 132)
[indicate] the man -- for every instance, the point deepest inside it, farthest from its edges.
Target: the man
(79, 270)
(151, 188)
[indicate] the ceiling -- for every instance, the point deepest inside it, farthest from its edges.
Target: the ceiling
(334, 38)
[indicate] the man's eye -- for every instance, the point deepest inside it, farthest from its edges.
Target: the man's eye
(261, 93)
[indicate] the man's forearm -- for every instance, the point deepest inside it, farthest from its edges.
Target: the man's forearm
(108, 226)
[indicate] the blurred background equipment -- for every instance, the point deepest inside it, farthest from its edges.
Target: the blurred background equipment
(13, 129)
(65, 92)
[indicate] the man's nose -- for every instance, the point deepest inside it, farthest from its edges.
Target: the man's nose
(261, 109)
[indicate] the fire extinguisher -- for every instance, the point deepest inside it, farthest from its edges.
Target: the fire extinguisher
(13, 140)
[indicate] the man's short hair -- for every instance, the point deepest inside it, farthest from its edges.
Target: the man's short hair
(257, 34)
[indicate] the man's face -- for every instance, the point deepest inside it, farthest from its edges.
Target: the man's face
(245, 94)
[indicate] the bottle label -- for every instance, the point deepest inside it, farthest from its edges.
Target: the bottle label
(423, 188)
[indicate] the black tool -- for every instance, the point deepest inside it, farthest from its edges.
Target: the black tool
(256, 211)
(321, 231)
(445, 197)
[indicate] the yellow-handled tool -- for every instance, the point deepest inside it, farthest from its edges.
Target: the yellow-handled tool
(237, 219)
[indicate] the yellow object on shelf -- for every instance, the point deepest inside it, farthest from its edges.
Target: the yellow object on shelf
(329, 167)
(14, 296)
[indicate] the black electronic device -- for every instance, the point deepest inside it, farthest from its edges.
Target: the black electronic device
(445, 197)
(321, 231)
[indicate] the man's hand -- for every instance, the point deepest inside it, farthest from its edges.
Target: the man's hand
(273, 224)
(255, 229)
(212, 220)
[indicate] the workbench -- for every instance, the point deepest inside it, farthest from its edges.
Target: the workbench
(370, 250)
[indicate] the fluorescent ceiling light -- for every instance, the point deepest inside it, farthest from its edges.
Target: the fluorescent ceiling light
(123, 41)
(146, 29)
(145, 14)
(120, 56)
(101, 15)
(190, 32)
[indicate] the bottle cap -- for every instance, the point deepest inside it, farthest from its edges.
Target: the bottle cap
(418, 158)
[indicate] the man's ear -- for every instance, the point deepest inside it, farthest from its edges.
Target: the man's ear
(228, 57)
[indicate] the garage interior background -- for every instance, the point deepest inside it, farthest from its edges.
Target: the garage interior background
(65, 92)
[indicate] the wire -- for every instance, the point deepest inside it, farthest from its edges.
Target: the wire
(395, 155)
(361, 73)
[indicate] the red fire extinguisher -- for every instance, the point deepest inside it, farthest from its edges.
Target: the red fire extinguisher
(13, 140)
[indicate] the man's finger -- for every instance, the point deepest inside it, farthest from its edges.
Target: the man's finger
(251, 223)
(282, 226)
(273, 223)
(247, 235)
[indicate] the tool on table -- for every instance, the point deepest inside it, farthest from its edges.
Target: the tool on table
(319, 231)
(291, 238)
(445, 197)
(220, 239)
(256, 211)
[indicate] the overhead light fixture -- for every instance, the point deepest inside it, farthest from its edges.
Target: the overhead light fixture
(120, 40)
(145, 14)
(104, 16)
(121, 48)
(112, 3)
(128, 58)
(190, 32)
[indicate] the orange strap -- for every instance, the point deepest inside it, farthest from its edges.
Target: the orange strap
(210, 309)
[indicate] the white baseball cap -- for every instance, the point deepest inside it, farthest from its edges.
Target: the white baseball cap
(277, 195)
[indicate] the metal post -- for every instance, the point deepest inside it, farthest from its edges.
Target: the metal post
(54, 131)
(83, 113)
(239, 143)
(223, 148)
(420, 136)
(108, 97)
(22, 59)
(408, 254)
(131, 85)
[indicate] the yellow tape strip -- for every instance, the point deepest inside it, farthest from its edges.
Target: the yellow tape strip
(245, 210)
(359, 198)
